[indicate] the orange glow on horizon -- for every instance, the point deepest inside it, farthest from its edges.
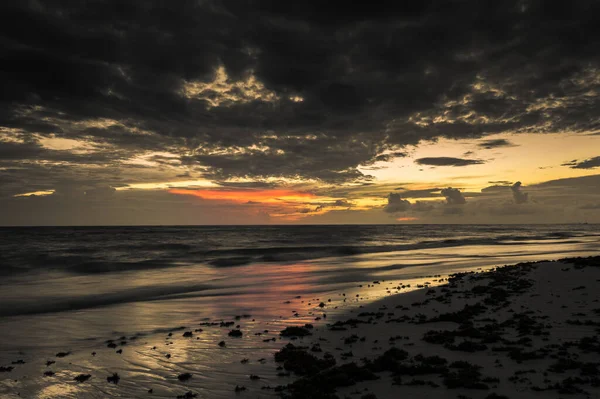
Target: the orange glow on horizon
(407, 219)
(243, 196)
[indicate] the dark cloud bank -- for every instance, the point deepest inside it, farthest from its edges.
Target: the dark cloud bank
(372, 78)
(312, 90)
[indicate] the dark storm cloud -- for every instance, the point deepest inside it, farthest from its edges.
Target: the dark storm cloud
(585, 164)
(519, 196)
(447, 161)
(453, 196)
(18, 151)
(396, 204)
(373, 78)
(496, 143)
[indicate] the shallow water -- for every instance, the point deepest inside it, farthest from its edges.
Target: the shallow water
(71, 289)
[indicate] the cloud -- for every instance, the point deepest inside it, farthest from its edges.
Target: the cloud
(585, 164)
(422, 206)
(280, 93)
(513, 209)
(519, 196)
(495, 143)
(590, 206)
(389, 157)
(342, 203)
(453, 210)
(453, 196)
(577, 186)
(283, 91)
(396, 204)
(496, 188)
(124, 208)
(448, 161)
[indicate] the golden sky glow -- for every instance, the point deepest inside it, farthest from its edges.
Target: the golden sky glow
(533, 158)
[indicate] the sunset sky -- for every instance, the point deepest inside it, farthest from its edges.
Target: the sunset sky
(263, 112)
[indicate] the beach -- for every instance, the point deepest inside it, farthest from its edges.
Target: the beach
(528, 330)
(222, 331)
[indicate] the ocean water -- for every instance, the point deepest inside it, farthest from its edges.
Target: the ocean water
(72, 288)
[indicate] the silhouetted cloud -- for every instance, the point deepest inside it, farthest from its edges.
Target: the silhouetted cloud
(396, 204)
(519, 196)
(447, 161)
(342, 203)
(495, 188)
(590, 184)
(389, 157)
(585, 164)
(453, 196)
(496, 143)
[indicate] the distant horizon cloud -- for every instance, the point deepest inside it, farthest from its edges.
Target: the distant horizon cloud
(448, 161)
(495, 143)
(453, 196)
(519, 196)
(395, 203)
(589, 163)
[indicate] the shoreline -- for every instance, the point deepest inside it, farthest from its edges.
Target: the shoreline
(358, 336)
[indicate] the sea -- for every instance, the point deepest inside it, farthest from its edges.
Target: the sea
(73, 289)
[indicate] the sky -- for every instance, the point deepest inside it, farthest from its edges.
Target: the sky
(267, 112)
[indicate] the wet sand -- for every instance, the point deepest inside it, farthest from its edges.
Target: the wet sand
(521, 331)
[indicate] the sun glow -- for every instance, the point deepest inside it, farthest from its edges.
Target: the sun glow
(244, 196)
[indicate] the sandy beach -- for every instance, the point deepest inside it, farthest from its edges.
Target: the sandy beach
(528, 330)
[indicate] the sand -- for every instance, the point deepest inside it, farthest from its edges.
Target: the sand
(523, 331)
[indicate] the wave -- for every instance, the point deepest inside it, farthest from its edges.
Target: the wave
(229, 262)
(114, 254)
(244, 256)
(98, 267)
(52, 305)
